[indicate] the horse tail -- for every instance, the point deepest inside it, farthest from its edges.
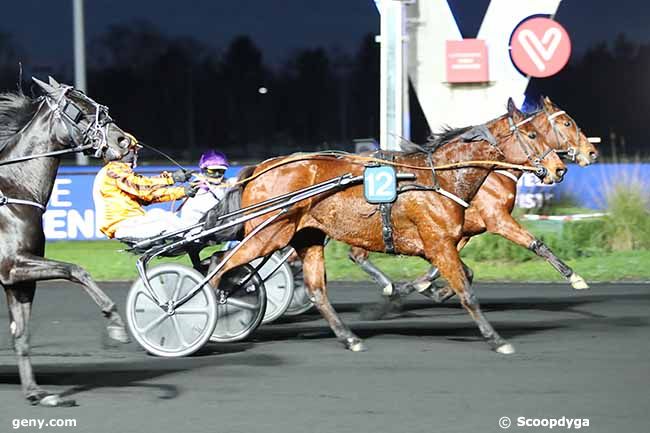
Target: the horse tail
(229, 203)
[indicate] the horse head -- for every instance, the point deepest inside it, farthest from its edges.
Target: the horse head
(570, 140)
(534, 147)
(83, 123)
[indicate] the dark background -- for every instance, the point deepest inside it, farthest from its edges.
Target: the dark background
(184, 76)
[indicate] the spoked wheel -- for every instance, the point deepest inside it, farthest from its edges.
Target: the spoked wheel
(240, 308)
(300, 302)
(279, 286)
(180, 332)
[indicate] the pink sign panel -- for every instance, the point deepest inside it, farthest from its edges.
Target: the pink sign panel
(467, 61)
(540, 47)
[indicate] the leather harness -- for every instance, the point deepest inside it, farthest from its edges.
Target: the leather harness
(385, 210)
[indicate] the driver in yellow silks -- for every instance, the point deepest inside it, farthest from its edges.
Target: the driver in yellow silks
(120, 194)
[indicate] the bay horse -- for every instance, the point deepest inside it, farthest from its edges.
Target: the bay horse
(33, 133)
(490, 210)
(425, 223)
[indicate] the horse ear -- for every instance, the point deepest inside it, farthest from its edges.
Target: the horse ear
(546, 101)
(46, 87)
(513, 111)
(53, 82)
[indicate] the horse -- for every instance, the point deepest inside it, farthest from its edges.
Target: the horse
(33, 133)
(426, 218)
(491, 209)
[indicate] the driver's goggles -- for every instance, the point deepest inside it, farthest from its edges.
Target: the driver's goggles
(214, 172)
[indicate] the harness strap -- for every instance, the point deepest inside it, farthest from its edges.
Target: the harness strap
(556, 114)
(4, 200)
(454, 197)
(385, 210)
(387, 227)
(507, 174)
(441, 191)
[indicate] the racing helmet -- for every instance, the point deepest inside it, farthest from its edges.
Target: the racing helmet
(213, 164)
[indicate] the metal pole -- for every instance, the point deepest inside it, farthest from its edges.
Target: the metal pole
(79, 57)
(392, 74)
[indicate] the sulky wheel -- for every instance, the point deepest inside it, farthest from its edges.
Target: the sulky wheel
(300, 302)
(241, 308)
(186, 328)
(279, 286)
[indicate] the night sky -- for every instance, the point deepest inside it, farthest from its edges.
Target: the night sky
(43, 29)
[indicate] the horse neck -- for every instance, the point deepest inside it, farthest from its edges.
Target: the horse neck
(465, 182)
(32, 179)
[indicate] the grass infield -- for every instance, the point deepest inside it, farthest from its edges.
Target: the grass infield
(105, 262)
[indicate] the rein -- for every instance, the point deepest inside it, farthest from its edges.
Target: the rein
(47, 154)
(357, 159)
(4, 200)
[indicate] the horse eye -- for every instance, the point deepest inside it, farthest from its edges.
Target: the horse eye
(532, 135)
(567, 123)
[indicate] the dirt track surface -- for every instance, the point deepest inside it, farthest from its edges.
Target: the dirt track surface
(579, 355)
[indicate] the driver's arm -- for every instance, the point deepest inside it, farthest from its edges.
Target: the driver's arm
(148, 189)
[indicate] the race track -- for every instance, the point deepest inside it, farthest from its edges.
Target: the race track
(579, 355)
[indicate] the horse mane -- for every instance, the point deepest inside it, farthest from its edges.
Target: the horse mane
(435, 140)
(16, 110)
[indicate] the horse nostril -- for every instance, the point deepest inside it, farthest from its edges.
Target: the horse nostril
(560, 172)
(593, 156)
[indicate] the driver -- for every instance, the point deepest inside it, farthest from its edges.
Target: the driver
(120, 194)
(211, 189)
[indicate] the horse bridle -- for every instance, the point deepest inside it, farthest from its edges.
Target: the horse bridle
(531, 154)
(570, 151)
(95, 136)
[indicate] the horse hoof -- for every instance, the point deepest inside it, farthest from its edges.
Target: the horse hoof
(578, 283)
(118, 333)
(50, 400)
(505, 349)
(54, 400)
(355, 345)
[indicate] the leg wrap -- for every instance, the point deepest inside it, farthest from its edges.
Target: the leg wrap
(539, 248)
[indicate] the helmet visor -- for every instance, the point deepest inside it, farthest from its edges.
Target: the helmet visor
(215, 173)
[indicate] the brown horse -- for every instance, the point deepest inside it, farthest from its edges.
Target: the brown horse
(425, 223)
(491, 208)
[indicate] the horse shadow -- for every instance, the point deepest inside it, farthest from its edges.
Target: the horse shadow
(411, 319)
(84, 377)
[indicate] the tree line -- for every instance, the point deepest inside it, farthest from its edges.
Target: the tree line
(183, 96)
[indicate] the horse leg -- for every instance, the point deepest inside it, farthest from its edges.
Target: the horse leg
(452, 269)
(29, 268)
(360, 257)
(19, 301)
(391, 298)
(424, 284)
(313, 262)
(511, 230)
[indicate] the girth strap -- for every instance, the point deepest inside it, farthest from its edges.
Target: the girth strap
(385, 210)
(387, 227)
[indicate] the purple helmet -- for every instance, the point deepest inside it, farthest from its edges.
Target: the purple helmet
(213, 160)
